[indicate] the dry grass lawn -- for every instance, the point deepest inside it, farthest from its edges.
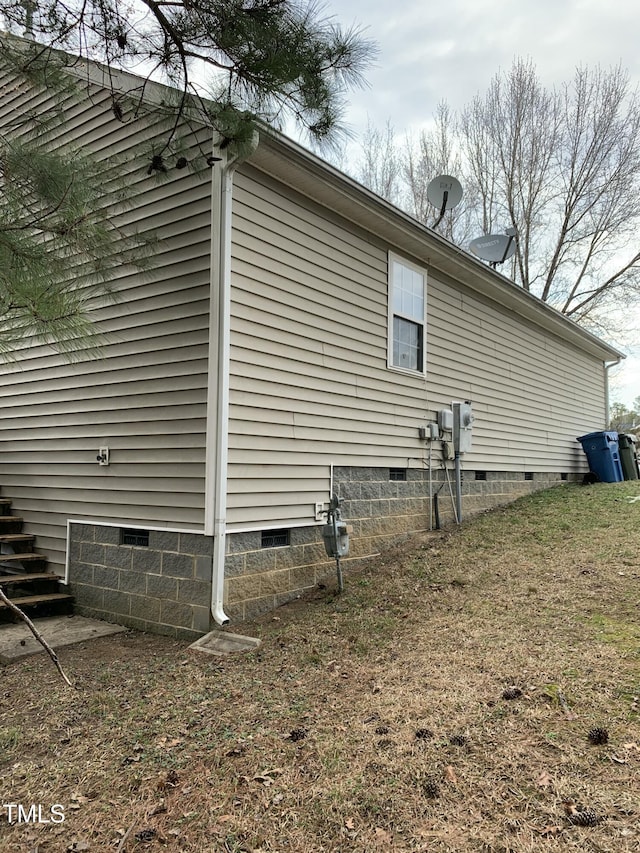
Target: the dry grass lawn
(371, 721)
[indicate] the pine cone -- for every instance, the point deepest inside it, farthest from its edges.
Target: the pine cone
(424, 734)
(586, 817)
(458, 740)
(512, 693)
(598, 736)
(297, 734)
(430, 789)
(580, 816)
(146, 835)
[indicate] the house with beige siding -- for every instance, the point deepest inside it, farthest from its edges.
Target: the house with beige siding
(294, 337)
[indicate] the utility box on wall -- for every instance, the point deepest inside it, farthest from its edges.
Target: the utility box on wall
(462, 425)
(445, 420)
(336, 532)
(336, 539)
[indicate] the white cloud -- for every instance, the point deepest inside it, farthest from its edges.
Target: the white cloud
(451, 50)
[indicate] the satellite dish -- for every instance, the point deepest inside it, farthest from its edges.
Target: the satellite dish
(495, 248)
(444, 192)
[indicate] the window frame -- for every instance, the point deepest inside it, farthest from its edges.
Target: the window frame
(420, 322)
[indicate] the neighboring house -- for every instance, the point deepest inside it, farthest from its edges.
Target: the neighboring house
(293, 335)
(630, 428)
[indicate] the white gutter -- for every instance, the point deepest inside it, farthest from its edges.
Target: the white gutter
(217, 439)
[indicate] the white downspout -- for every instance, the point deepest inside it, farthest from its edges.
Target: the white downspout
(218, 419)
(607, 368)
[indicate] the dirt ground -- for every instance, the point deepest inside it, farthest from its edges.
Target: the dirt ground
(447, 701)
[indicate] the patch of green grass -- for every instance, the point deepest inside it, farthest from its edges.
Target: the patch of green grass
(631, 698)
(10, 737)
(624, 635)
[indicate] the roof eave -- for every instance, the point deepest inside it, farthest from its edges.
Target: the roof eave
(294, 165)
(303, 171)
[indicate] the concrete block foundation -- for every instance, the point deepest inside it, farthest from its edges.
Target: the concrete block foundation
(164, 585)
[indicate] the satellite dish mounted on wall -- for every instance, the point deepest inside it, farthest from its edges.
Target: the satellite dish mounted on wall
(444, 192)
(495, 248)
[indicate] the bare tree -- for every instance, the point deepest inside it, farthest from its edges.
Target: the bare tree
(400, 171)
(560, 165)
(436, 152)
(595, 255)
(510, 137)
(379, 165)
(563, 167)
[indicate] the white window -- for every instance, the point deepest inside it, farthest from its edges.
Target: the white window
(407, 312)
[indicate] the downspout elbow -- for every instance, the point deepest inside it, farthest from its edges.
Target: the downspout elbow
(607, 367)
(219, 616)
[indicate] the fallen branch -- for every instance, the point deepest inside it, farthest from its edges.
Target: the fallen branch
(21, 615)
(123, 840)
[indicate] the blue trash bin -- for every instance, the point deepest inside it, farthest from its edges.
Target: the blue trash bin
(603, 455)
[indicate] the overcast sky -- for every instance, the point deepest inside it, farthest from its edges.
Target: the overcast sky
(433, 50)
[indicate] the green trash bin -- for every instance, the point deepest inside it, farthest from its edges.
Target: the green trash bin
(628, 457)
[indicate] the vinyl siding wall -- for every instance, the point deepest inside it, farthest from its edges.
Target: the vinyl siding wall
(310, 385)
(309, 333)
(532, 393)
(145, 397)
